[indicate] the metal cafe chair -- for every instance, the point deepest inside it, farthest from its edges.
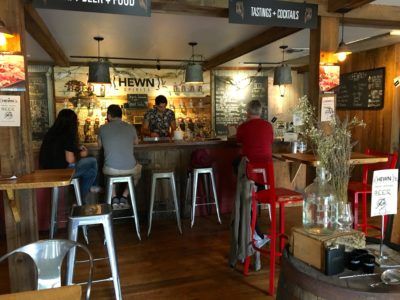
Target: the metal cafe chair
(48, 256)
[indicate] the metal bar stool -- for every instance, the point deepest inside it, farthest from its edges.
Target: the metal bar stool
(54, 208)
(92, 214)
(124, 179)
(196, 173)
(164, 175)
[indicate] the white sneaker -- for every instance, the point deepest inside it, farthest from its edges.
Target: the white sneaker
(260, 242)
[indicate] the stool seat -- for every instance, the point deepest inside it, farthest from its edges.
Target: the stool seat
(165, 174)
(54, 207)
(92, 214)
(111, 179)
(90, 210)
(193, 189)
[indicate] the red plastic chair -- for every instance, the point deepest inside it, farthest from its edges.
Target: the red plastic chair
(274, 197)
(363, 188)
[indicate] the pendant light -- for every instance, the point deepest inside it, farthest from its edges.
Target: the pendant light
(282, 74)
(194, 71)
(99, 71)
(4, 34)
(343, 50)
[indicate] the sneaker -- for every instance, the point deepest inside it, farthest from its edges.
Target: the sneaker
(115, 203)
(123, 203)
(260, 242)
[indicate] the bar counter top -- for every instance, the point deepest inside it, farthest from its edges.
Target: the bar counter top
(278, 146)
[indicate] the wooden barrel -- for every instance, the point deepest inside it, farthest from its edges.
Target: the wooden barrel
(300, 281)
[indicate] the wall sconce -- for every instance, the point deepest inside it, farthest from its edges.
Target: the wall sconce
(343, 50)
(4, 34)
(99, 71)
(194, 71)
(282, 74)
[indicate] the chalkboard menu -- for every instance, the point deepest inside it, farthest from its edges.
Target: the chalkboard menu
(361, 90)
(231, 98)
(38, 98)
(137, 101)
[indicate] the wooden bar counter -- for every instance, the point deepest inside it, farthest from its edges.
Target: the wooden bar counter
(175, 155)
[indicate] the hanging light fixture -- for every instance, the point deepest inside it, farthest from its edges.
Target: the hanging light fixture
(99, 71)
(194, 71)
(4, 34)
(343, 50)
(282, 74)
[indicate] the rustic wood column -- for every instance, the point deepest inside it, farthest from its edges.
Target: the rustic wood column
(323, 44)
(16, 158)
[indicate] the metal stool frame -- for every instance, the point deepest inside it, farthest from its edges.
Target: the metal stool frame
(92, 214)
(196, 173)
(111, 179)
(171, 177)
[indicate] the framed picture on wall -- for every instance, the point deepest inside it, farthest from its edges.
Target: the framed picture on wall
(41, 98)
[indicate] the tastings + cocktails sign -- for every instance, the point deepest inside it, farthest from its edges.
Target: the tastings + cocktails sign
(125, 7)
(273, 13)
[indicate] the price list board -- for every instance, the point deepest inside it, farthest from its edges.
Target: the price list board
(361, 90)
(232, 96)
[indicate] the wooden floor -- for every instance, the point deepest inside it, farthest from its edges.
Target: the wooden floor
(168, 265)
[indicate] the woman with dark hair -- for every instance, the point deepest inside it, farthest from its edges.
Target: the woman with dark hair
(60, 150)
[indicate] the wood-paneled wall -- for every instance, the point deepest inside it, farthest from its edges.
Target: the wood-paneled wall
(380, 123)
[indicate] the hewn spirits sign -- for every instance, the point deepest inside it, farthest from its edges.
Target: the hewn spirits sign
(125, 7)
(273, 13)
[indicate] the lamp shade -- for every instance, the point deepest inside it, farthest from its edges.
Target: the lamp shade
(282, 75)
(194, 73)
(99, 72)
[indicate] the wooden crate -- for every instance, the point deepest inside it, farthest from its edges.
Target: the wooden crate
(311, 248)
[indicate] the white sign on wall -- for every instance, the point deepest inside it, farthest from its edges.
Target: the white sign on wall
(327, 108)
(384, 192)
(10, 111)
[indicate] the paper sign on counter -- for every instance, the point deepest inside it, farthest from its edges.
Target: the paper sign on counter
(384, 192)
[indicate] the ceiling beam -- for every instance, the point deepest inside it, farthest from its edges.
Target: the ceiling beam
(36, 27)
(187, 8)
(344, 6)
(365, 15)
(260, 40)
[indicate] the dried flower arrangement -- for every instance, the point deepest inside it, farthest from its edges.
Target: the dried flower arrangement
(332, 145)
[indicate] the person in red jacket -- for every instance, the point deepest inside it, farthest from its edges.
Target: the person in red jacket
(256, 136)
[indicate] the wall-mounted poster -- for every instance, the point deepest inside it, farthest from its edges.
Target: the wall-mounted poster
(329, 77)
(12, 73)
(40, 99)
(10, 111)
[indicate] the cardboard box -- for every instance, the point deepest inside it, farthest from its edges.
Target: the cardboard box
(310, 248)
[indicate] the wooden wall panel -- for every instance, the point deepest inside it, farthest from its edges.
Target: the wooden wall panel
(378, 133)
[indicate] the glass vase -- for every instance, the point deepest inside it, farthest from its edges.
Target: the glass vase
(319, 205)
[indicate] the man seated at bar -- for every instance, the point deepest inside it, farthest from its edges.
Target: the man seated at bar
(159, 121)
(117, 139)
(256, 136)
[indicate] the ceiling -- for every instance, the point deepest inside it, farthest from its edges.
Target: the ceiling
(166, 36)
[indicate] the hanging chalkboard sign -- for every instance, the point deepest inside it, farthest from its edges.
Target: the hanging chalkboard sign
(232, 97)
(361, 90)
(137, 101)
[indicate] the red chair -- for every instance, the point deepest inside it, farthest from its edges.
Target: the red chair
(273, 197)
(363, 188)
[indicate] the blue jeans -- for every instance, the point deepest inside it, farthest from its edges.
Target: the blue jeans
(86, 171)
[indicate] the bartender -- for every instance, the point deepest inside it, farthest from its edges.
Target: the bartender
(159, 121)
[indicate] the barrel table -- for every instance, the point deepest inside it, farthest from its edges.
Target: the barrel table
(298, 280)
